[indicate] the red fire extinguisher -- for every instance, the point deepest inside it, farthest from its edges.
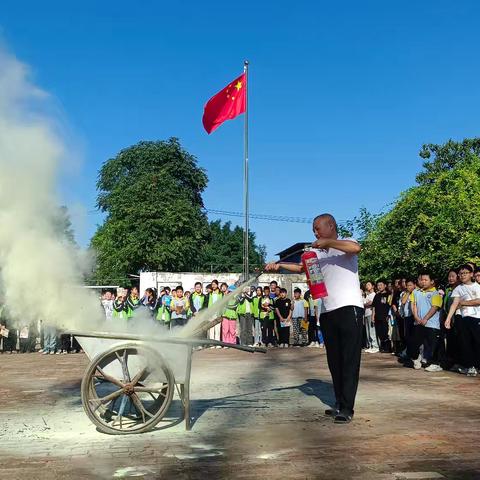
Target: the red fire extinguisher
(315, 280)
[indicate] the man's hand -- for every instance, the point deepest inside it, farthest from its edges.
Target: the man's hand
(321, 243)
(272, 267)
(448, 323)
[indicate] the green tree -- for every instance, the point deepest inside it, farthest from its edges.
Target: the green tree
(152, 196)
(436, 223)
(224, 249)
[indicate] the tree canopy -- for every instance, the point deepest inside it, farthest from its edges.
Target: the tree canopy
(224, 249)
(152, 195)
(433, 225)
(155, 220)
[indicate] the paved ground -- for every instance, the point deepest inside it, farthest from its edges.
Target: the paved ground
(256, 416)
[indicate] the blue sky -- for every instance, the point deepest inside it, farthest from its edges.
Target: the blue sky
(342, 94)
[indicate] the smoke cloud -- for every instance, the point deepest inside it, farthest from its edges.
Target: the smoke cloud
(40, 272)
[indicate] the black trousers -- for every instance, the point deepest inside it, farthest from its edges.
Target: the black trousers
(401, 329)
(246, 328)
(268, 335)
(10, 342)
(454, 351)
(470, 341)
(381, 329)
(284, 334)
(432, 341)
(342, 331)
(65, 342)
(409, 324)
(312, 329)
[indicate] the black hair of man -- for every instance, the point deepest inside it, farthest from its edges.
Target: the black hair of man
(466, 266)
(208, 287)
(275, 282)
(283, 290)
(266, 287)
(329, 217)
(381, 280)
(477, 270)
(198, 283)
(179, 287)
(167, 289)
(411, 280)
(297, 290)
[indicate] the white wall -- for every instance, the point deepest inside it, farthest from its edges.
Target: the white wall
(187, 280)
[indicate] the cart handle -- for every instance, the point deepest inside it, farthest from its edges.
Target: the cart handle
(165, 339)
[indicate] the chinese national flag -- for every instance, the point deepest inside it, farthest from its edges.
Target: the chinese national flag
(225, 105)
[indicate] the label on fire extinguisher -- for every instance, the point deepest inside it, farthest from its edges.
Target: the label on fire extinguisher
(314, 271)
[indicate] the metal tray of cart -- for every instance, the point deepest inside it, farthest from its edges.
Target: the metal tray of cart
(129, 384)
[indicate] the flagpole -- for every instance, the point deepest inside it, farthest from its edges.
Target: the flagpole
(246, 266)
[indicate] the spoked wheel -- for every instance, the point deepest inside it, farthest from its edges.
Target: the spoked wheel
(127, 389)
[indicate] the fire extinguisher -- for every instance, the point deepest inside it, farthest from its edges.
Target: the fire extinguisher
(315, 280)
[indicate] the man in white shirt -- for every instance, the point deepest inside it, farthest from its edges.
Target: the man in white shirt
(467, 297)
(342, 320)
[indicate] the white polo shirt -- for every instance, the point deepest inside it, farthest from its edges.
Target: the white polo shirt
(468, 292)
(340, 272)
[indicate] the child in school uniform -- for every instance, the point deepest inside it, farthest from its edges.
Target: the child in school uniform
(299, 319)
(283, 309)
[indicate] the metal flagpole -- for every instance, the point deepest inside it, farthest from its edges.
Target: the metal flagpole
(246, 266)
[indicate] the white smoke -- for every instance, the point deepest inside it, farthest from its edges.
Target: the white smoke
(38, 269)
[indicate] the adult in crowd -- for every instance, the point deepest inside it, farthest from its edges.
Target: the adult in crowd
(342, 322)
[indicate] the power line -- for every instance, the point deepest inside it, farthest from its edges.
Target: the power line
(259, 216)
(256, 216)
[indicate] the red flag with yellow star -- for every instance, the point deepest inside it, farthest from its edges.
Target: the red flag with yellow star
(226, 104)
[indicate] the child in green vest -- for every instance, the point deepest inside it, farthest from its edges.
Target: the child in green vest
(133, 302)
(245, 317)
(257, 330)
(214, 296)
(197, 300)
(179, 307)
(119, 305)
(268, 318)
(163, 312)
(229, 321)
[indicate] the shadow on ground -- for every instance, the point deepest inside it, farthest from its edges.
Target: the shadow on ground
(312, 387)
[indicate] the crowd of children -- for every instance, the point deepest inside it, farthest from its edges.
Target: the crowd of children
(425, 324)
(254, 316)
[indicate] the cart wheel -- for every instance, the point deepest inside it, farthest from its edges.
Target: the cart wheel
(127, 389)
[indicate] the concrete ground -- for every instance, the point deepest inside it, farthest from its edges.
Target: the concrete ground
(255, 416)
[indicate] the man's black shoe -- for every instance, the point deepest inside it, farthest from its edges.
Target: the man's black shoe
(342, 418)
(331, 412)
